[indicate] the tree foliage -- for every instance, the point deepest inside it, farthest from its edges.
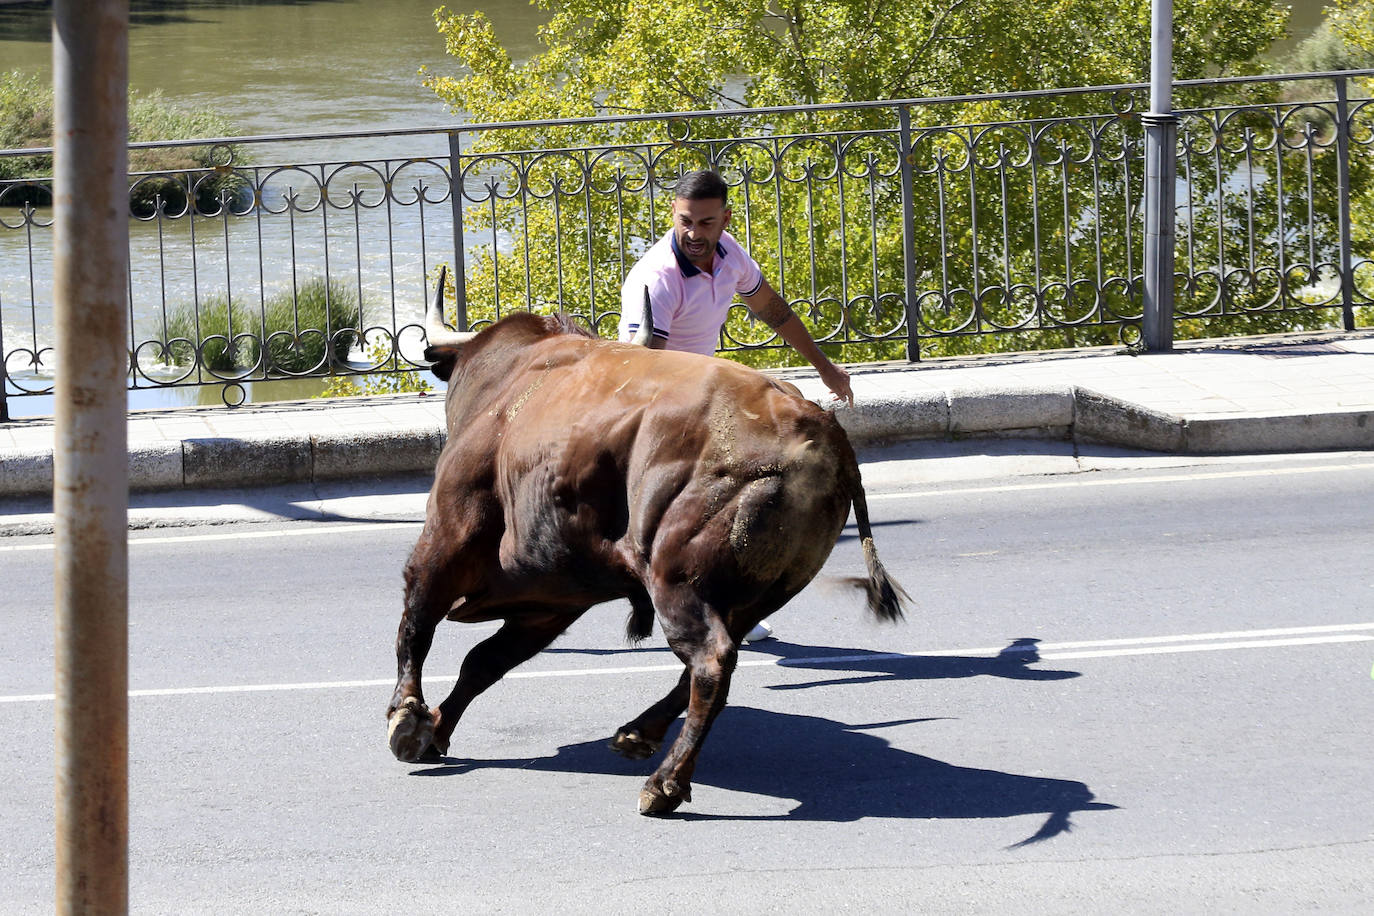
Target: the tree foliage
(612, 56)
(1352, 21)
(826, 214)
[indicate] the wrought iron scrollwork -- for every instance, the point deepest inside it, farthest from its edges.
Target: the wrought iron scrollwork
(903, 223)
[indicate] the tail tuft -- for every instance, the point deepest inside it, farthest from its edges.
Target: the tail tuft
(886, 599)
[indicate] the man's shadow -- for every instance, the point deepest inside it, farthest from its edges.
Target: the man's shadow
(1014, 662)
(832, 771)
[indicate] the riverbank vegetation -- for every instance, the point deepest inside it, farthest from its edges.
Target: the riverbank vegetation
(611, 57)
(300, 330)
(160, 176)
(387, 380)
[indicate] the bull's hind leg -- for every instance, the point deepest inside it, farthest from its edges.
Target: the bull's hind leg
(698, 636)
(523, 635)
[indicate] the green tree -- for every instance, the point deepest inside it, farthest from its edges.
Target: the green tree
(825, 214)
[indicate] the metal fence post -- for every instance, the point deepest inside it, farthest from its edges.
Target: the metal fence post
(1161, 146)
(90, 459)
(4, 375)
(1343, 204)
(459, 272)
(913, 338)
(1161, 140)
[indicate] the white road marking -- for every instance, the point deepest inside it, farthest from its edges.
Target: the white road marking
(1081, 480)
(1211, 647)
(1230, 640)
(310, 531)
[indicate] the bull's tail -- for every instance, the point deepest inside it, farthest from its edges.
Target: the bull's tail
(885, 597)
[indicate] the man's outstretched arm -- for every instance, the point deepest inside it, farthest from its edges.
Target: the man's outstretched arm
(772, 310)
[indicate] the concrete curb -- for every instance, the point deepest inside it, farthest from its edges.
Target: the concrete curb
(1325, 431)
(1106, 420)
(1087, 416)
(1055, 412)
(969, 413)
(214, 463)
(960, 413)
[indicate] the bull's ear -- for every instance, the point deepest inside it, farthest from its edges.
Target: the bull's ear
(444, 358)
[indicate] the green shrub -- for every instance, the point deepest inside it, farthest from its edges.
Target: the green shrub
(26, 121)
(214, 320)
(342, 386)
(1325, 50)
(297, 330)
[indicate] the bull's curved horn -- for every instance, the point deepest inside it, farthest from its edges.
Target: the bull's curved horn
(645, 335)
(437, 331)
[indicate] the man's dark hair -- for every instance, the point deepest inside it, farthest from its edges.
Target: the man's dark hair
(702, 185)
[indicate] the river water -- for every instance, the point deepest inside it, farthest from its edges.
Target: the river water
(270, 68)
(284, 67)
(287, 67)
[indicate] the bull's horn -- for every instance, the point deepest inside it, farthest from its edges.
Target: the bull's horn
(645, 335)
(437, 331)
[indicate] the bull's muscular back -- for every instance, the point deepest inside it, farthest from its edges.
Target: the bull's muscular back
(608, 467)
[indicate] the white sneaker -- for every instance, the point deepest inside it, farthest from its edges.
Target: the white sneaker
(762, 630)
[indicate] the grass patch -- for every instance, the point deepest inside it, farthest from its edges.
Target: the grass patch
(319, 324)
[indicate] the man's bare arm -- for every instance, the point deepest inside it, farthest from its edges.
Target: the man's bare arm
(773, 310)
(769, 307)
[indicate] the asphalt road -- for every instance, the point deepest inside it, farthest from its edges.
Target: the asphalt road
(1146, 689)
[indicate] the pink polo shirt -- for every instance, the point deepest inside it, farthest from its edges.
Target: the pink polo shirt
(690, 305)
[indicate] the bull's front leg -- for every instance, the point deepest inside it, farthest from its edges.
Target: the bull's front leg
(526, 633)
(410, 723)
(710, 656)
(642, 736)
(428, 596)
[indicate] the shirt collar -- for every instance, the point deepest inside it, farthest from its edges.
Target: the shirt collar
(687, 267)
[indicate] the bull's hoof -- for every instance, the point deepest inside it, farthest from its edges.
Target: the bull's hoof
(664, 798)
(411, 730)
(633, 745)
(431, 754)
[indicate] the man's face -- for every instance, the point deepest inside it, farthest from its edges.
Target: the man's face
(698, 225)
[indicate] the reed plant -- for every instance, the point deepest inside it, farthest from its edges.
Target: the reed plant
(317, 324)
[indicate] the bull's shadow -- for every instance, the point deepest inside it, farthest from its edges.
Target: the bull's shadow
(1013, 662)
(834, 772)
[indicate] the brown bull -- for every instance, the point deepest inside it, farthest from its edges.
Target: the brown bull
(579, 471)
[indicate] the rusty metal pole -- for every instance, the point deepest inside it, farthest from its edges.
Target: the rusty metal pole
(90, 457)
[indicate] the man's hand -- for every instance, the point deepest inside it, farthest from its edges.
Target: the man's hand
(837, 380)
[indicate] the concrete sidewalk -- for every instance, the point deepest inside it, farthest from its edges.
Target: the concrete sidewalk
(1282, 394)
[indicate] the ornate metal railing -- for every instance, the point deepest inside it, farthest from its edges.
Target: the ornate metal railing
(896, 229)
